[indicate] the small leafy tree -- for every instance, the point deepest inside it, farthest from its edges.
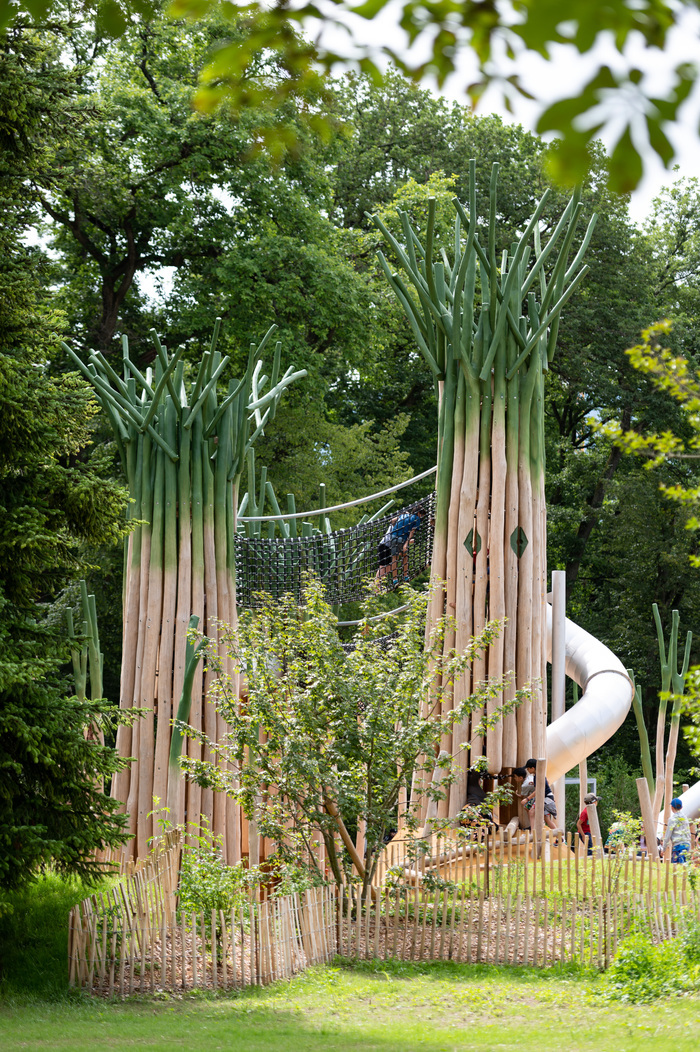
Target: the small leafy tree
(206, 882)
(326, 738)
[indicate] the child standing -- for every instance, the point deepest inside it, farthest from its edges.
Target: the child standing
(678, 833)
(550, 810)
(583, 826)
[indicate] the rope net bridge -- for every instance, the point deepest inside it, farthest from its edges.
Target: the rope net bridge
(388, 550)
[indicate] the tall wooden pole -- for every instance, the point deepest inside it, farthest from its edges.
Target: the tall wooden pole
(559, 672)
(649, 818)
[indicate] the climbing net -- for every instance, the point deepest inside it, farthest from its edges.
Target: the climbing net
(384, 551)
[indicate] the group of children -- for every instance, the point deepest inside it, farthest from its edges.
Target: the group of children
(527, 793)
(677, 838)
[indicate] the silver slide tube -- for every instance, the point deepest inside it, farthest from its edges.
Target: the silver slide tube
(601, 710)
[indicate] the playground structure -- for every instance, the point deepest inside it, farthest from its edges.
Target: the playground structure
(183, 450)
(487, 329)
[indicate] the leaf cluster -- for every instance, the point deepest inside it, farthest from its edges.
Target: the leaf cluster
(234, 73)
(674, 376)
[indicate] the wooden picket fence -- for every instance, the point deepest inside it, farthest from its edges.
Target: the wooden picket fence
(485, 900)
(254, 944)
(489, 862)
(415, 924)
(141, 901)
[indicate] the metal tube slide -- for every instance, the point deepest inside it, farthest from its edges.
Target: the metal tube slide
(605, 701)
(600, 711)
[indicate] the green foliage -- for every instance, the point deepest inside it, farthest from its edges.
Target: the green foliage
(337, 733)
(135, 179)
(232, 73)
(621, 843)
(642, 972)
(206, 882)
(675, 376)
(52, 504)
(53, 809)
(691, 709)
(690, 940)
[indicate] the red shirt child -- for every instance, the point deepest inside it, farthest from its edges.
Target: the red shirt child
(582, 825)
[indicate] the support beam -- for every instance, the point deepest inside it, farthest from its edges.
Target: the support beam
(539, 799)
(559, 673)
(595, 830)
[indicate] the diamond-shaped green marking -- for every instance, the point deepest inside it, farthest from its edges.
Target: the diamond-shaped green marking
(469, 543)
(518, 540)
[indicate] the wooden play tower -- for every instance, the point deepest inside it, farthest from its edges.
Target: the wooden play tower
(486, 324)
(183, 449)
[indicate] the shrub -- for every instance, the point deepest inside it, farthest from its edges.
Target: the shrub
(642, 972)
(206, 882)
(690, 941)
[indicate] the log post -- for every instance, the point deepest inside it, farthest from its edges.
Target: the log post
(593, 822)
(559, 672)
(539, 799)
(649, 823)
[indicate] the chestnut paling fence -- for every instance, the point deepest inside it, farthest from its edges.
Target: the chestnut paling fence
(254, 943)
(134, 940)
(490, 861)
(416, 924)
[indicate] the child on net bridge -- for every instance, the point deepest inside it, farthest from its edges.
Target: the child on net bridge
(395, 542)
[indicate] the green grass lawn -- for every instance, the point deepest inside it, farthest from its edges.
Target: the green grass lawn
(388, 1008)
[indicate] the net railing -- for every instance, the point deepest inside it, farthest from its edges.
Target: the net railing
(382, 553)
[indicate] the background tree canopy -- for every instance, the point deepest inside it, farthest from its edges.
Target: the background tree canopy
(434, 38)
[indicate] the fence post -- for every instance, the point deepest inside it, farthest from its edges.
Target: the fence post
(593, 822)
(541, 769)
